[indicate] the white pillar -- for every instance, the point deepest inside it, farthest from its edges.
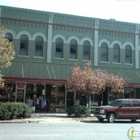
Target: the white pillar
(96, 43)
(136, 47)
(49, 46)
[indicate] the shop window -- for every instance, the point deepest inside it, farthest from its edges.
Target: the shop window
(73, 49)
(86, 50)
(104, 52)
(59, 48)
(23, 50)
(39, 46)
(57, 95)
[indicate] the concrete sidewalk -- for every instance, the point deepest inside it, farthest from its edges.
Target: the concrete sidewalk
(49, 117)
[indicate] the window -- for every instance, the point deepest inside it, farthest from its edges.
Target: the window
(9, 36)
(116, 53)
(39, 46)
(104, 52)
(128, 54)
(136, 103)
(59, 48)
(73, 49)
(23, 45)
(86, 50)
(126, 104)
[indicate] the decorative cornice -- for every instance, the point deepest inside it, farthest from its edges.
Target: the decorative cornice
(78, 27)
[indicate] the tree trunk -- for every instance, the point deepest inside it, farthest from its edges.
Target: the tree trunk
(88, 100)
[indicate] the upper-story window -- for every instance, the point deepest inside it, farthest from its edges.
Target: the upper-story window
(73, 49)
(104, 52)
(128, 54)
(59, 48)
(116, 53)
(39, 46)
(23, 50)
(9, 36)
(86, 50)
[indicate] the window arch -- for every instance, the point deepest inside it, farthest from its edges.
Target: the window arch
(104, 52)
(116, 53)
(128, 54)
(39, 46)
(9, 36)
(86, 50)
(73, 49)
(59, 48)
(23, 45)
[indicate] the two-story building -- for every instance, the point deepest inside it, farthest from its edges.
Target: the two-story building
(48, 44)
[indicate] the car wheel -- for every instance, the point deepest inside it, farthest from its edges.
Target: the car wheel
(111, 118)
(100, 119)
(133, 120)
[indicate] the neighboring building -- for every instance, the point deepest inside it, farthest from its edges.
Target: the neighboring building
(48, 44)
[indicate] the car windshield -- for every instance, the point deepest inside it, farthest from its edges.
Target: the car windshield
(116, 103)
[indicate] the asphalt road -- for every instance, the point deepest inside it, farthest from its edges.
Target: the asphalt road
(86, 130)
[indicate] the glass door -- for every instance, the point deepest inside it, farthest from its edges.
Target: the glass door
(20, 92)
(70, 98)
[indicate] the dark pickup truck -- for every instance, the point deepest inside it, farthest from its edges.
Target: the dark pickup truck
(119, 109)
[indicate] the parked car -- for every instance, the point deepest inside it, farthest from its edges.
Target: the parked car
(119, 109)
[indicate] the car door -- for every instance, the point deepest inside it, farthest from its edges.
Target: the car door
(136, 109)
(125, 111)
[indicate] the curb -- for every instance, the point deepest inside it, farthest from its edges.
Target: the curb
(51, 119)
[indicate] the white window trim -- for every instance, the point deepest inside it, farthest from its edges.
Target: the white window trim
(104, 62)
(38, 56)
(59, 58)
(128, 63)
(73, 59)
(116, 63)
(23, 55)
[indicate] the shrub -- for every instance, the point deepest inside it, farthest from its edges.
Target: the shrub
(78, 111)
(14, 110)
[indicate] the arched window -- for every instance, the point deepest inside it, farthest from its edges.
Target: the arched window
(9, 36)
(59, 48)
(39, 46)
(23, 45)
(128, 54)
(104, 52)
(86, 50)
(73, 49)
(116, 53)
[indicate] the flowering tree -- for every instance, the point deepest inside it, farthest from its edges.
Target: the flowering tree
(89, 81)
(7, 52)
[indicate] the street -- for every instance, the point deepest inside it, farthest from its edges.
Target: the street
(86, 130)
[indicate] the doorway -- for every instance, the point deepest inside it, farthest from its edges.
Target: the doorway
(70, 98)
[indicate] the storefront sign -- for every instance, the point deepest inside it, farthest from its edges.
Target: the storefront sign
(20, 86)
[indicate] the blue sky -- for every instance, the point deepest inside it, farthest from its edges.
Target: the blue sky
(121, 10)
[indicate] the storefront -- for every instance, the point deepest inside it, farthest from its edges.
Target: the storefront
(52, 91)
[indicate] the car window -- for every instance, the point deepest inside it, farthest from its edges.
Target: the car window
(126, 104)
(136, 103)
(116, 103)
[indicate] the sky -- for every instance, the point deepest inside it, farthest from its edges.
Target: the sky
(120, 10)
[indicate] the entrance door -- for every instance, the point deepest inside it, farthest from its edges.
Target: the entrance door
(70, 98)
(20, 92)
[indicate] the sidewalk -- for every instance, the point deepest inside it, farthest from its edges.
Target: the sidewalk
(49, 117)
